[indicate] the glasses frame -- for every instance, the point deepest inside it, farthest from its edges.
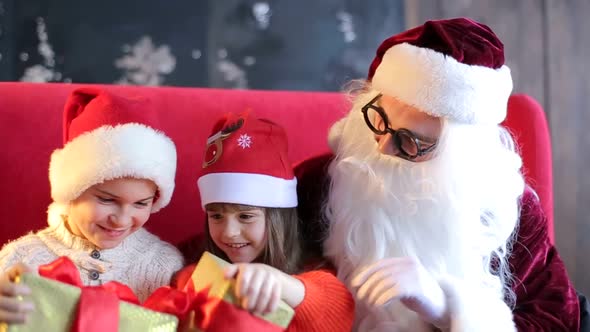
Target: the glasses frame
(395, 134)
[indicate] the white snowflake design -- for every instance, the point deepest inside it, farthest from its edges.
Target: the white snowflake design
(46, 71)
(144, 63)
(244, 141)
(233, 75)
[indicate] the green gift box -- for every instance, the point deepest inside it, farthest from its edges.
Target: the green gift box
(56, 307)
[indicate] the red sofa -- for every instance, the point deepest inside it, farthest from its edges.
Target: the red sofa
(31, 128)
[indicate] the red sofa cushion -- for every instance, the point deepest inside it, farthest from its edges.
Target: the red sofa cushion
(30, 127)
(527, 122)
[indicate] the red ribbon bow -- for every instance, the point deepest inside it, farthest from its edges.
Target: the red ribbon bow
(95, 301)
(210, 314)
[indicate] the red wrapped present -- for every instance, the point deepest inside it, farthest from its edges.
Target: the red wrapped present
(197, 311)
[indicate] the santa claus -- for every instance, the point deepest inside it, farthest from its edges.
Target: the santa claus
(426, 193)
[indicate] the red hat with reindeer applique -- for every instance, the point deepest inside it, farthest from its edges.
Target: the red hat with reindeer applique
(246, 162)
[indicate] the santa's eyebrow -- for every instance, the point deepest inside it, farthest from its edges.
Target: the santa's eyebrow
(420, 137)
(424, 139)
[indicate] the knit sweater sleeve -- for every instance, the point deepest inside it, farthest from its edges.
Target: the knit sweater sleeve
(28, 249)
(160, 260)
(327, 305)
(9, 255)
(168, 260)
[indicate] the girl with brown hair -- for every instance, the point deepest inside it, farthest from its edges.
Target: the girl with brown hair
(249, 193)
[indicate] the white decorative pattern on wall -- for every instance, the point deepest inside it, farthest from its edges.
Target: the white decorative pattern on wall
(145, 64)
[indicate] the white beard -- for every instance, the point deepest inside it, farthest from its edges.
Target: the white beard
(381, 206)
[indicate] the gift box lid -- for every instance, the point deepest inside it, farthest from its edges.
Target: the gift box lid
(209, 273)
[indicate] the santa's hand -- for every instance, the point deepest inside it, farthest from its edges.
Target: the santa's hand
(404, 279)
(257, 286)
(13, 310)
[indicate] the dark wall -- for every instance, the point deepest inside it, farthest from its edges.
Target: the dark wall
(295, 45)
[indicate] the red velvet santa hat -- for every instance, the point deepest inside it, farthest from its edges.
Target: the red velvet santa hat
(108, 136)
(447, 68)
(246, 163)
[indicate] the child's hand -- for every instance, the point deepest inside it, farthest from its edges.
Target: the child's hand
(13, 310)
(258, 286)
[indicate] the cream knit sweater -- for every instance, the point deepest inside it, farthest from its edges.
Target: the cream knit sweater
(142, 261)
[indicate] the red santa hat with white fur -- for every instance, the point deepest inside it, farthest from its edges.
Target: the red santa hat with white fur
(450, 68)
(108, 136)
(246, 162)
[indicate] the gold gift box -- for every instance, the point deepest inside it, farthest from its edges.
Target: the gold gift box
(56, 306)
(209, 273)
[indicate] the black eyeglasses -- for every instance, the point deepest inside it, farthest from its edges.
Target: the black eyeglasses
(405, 141)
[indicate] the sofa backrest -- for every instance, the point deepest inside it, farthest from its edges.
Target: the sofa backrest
(31, 128)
